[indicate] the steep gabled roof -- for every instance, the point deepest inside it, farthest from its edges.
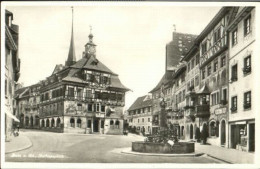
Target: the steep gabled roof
(116, 83)
(167, 77)
(141, 102)
(20, 91)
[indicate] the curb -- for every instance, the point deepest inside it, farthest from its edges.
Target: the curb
(219, 159)
(20, 149)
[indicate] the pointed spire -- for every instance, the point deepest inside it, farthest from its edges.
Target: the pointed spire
(71, 56)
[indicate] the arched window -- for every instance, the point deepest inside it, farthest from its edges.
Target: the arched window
(72, 122)
(47, 123)
(52, 122)
(79, 123)
(58, 122)
(117, 124)
(212, 129)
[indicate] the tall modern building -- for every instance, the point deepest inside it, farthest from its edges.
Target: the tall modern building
(82, 96)
(12, 71)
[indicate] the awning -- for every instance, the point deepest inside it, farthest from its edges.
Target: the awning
(12, 116)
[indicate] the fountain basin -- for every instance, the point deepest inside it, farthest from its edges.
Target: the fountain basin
(161, 148)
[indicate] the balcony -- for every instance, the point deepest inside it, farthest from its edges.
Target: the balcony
(202, 110)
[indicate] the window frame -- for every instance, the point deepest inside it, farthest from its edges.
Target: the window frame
(234, 39)
(247, 103)
(233, 106)
(247, 25)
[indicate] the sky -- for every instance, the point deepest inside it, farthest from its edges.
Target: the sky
(130, 39)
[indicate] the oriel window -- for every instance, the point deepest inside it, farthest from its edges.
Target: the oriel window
(203, 73)
(247, 25)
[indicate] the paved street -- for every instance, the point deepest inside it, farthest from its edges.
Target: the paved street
(77, 148)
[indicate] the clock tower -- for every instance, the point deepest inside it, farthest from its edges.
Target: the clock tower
(90, 47)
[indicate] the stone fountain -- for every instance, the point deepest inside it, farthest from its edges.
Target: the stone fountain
(165, 141)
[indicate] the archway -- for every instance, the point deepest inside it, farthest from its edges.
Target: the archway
(182, 130)
(58, 122)
(191, 131)
(47, 123)
(37, 121)
(52, 122)
(223, 132)
(31, 121)
(26, 121)
(117, 124)
(43, 123)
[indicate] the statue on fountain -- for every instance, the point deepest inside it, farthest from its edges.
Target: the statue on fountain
(165, 134)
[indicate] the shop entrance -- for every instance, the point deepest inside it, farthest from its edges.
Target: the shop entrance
(95, 125)
(251, 137)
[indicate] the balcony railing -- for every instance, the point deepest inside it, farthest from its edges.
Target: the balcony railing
(202, 110)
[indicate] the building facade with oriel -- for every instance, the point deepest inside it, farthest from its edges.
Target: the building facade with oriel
(82, 96)
(213, 46)
(242, 56)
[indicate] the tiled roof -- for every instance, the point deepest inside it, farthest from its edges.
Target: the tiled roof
(18, 92)
(74, 79)
(116, 83)
(177, 48)
(167, 77)
(58, 68)
(91, 64)
(140, 102)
